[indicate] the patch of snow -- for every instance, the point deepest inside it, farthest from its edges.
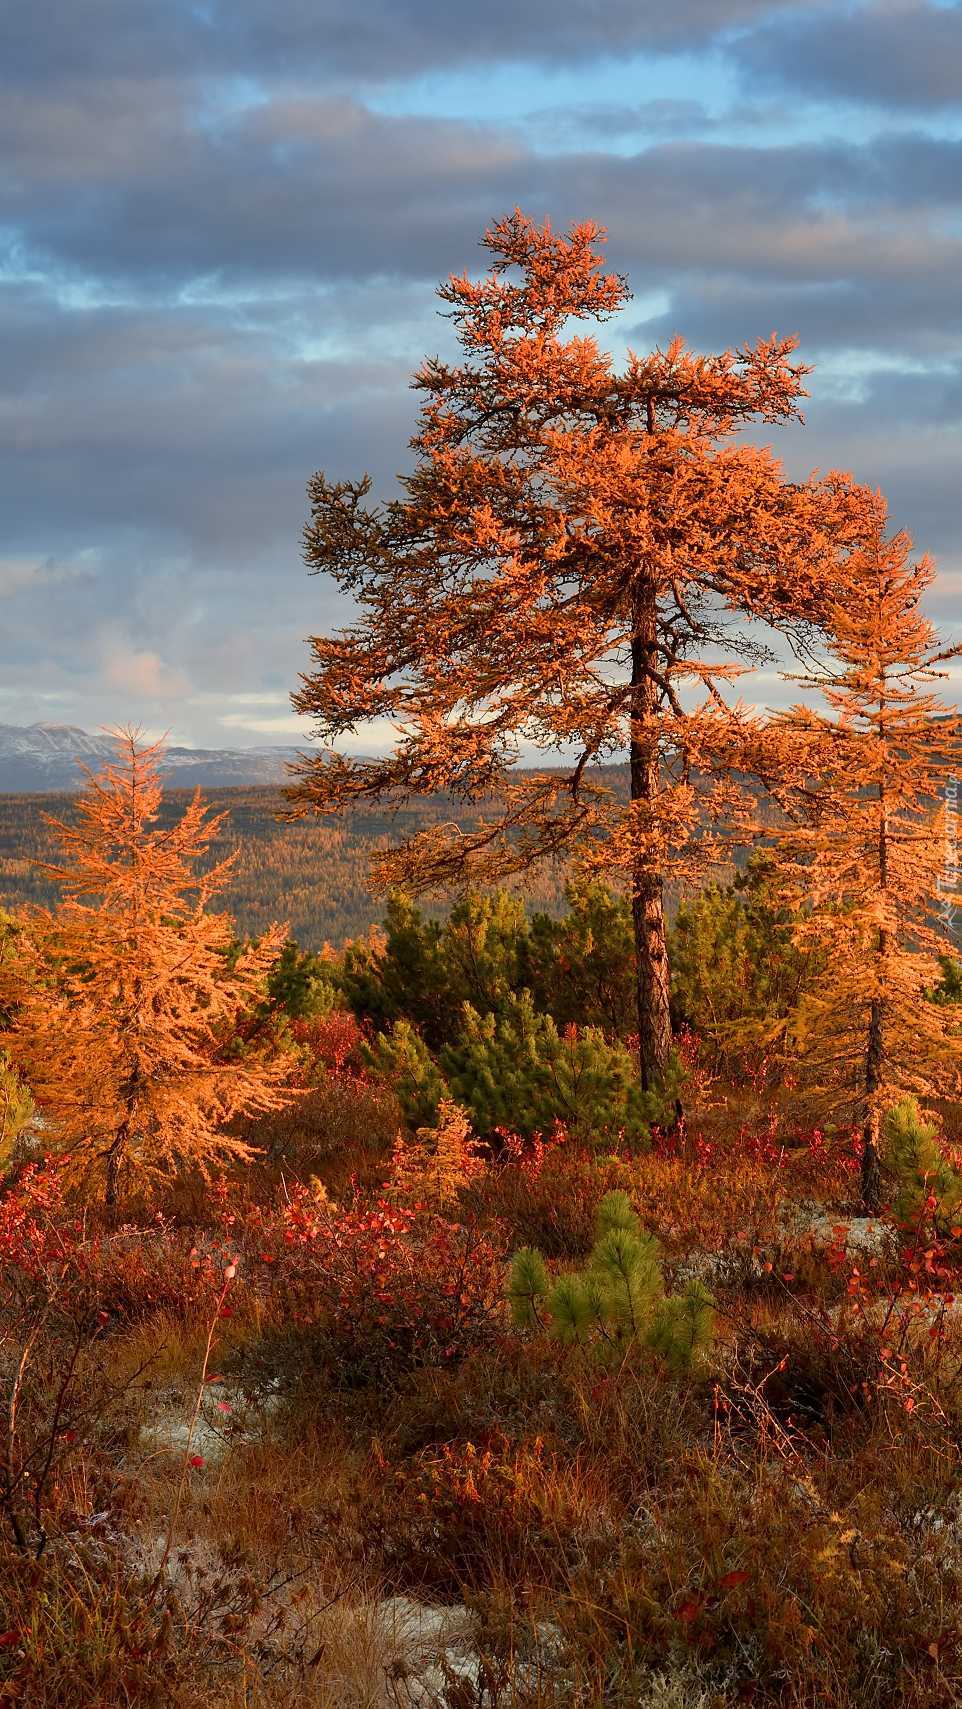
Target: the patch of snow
(215, 1432)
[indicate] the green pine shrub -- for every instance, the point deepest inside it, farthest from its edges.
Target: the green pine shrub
(302, 985)
(947, 992)
(918, 1163)
(579, 970)
(426, 971)
(617, 1303)
(736, 975)
(515, 1071)
(523, 1026)
(401, 1057)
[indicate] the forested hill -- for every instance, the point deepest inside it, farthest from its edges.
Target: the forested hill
(313, 873)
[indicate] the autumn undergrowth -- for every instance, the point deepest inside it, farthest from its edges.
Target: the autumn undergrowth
(775, 1521)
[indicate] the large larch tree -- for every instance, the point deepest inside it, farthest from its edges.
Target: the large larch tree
(570, 567)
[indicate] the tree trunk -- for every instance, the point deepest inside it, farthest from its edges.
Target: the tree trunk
(647, 897)
(115, 1158)
(871, 1172)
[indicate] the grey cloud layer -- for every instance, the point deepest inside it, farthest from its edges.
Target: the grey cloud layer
(846, 245)
(316, 188)
(325, 190)
(361, 39)
(205, 301)
(894, 53)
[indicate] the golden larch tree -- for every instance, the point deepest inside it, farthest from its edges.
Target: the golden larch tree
(570, 566)
(866, 848)
(126, 998)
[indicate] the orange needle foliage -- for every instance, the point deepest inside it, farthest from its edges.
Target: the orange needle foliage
(867, 847)
(125, 999)
(571, 567)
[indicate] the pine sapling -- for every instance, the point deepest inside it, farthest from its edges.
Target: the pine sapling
(918, 1163)
(617, 1303)
(528, 1287)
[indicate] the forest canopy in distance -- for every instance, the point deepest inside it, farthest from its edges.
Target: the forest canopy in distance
(312, 874)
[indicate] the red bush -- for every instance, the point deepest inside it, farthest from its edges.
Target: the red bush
(332, 1043)
(35, 1230)
(386, 1291)
(131, 1271)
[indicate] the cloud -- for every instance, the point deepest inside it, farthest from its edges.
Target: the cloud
(55, 40)
(289, 724)
(295, 189)
(16, 573)
(891, 53)
(309, 192)
(141, 675)
(821, 212)
(20, 575)
(216, 272)
(185, 431)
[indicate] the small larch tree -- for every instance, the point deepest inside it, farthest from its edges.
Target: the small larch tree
(125, 1001)
(866, 849)
(571, 565)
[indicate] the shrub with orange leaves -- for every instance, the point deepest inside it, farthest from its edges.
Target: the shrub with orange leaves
(432, 1169)
(466, 1513)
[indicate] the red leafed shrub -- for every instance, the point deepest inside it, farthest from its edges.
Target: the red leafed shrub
(35, 1230)
(381, 1291)
(331, 1043)
(805, 1156)
(548, 1194)
(135, 1272)
(528, 1156)
(130, 1272)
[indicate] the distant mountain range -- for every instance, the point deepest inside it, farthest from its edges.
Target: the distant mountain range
(44, 757)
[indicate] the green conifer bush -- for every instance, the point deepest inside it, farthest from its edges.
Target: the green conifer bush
(426, 971)
(402, 1057)
(918, 1163)
(617, 1303)
(522, 1026)
(515, 1071)
(304, 986)
(581, 968)
(948, 990)
(736, 975)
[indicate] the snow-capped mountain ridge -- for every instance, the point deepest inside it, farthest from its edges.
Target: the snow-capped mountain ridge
(45, 755)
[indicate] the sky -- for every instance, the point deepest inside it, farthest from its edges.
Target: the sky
(222, 225)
